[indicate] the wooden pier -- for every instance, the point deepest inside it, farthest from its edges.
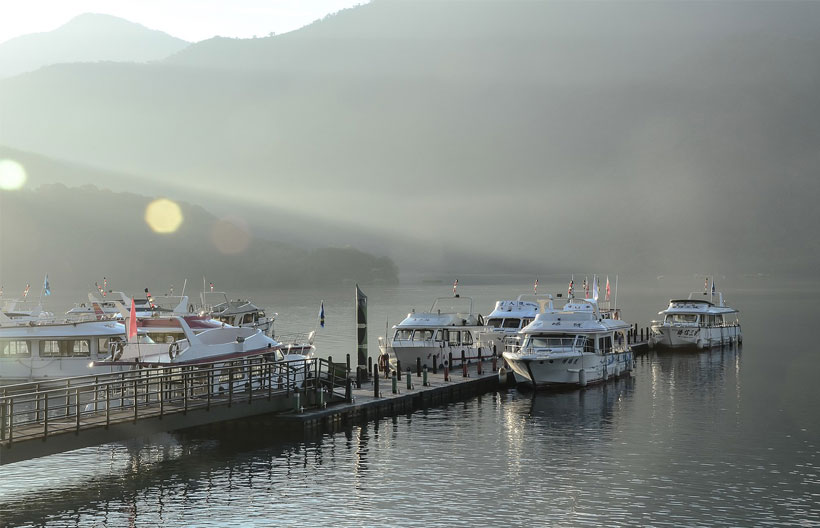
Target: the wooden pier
(38, 419)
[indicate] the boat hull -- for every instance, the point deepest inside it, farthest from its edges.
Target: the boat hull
(578, 369)
(694, 337)
(408, 355)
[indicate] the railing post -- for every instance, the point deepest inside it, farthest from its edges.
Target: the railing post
(270, 380)
(250, 382)
(37, 391)
(230, 386)
(45, 415)
(122, 390)
(77, 403)
(107, 405)
(210, 376)
(3, 419)
(67, 398)
(136, 401)
(10, 436)
(185, 382)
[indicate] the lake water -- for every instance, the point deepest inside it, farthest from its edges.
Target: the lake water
(727, 437)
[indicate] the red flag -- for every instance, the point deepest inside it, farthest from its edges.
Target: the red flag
(607, 287)
(132, 321)
(455, 285)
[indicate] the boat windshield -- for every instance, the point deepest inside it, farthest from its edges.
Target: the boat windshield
(494, 323)
(512, 323)
(681, 318)
(423, 335)
(554, 341)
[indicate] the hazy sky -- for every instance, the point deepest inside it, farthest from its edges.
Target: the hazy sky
(191, 20)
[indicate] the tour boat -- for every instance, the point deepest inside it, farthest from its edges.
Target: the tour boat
(236, 312)
(216, 344)
(48, 349)
(450, 327)
(703, 320)
(112, 305)
(510, 316)
(573, 346)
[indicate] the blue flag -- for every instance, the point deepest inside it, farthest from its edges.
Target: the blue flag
(322, 315)
(46, 288)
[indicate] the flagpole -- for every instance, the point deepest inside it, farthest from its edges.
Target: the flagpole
(616, 292)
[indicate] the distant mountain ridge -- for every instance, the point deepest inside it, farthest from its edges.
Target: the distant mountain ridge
(650, 135)
(87, 38)
(78, 233)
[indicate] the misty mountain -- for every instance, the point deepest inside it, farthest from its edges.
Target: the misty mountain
(642, 135)
(87, 38)
(78, 234)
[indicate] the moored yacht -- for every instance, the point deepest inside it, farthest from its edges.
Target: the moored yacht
(510, 316)
(450, 327)
(237, 312)
(702, 320)
(575, 345)
(40, 350)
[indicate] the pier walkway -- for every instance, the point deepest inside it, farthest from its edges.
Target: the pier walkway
(54, 416)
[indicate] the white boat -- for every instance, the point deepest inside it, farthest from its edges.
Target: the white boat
(703, 320)
(48, 349)
(225, 343)
(111, 306)
(25, 311)
(510, 316)
(242, 313)
(573, 346)
(450, 327)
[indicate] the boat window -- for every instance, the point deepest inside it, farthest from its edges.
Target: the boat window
(423, 335)
(65, 348)
(248, 318)
(13, 348)
(466, 338)
(511, 323)
(494, 323)
(526, 321)
(681, 318)
(606, 344)
(453, 337)
(557, 341)
(438, 335)
(403, 335)
(719, 320)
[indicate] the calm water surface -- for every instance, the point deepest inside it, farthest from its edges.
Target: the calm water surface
(727, 437)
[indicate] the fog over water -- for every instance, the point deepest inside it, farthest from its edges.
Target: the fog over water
(469, 136)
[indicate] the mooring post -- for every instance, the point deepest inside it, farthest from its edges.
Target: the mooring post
(369, 365)
(424, 382)
(463, 365)
(349, 390)
(348, 364)
(435, 363)
(395, 383)
(375, 381)
(409, 379)
(447, 369)
(418, 367)
(398, 369)
(478, 366)
(296, 400)
(495, 362)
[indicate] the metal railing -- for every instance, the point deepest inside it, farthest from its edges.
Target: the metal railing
(43, 409)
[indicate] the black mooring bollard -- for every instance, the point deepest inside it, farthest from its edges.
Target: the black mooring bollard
(418, 367)
(478, 366)
(359, 374)
(375, 381)
(435, 363)
(447, 369)
(463, 365)
(348, 364)
(349, 391)
(641, 334)
(369, 365)
(450, 357)
(398, 368)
